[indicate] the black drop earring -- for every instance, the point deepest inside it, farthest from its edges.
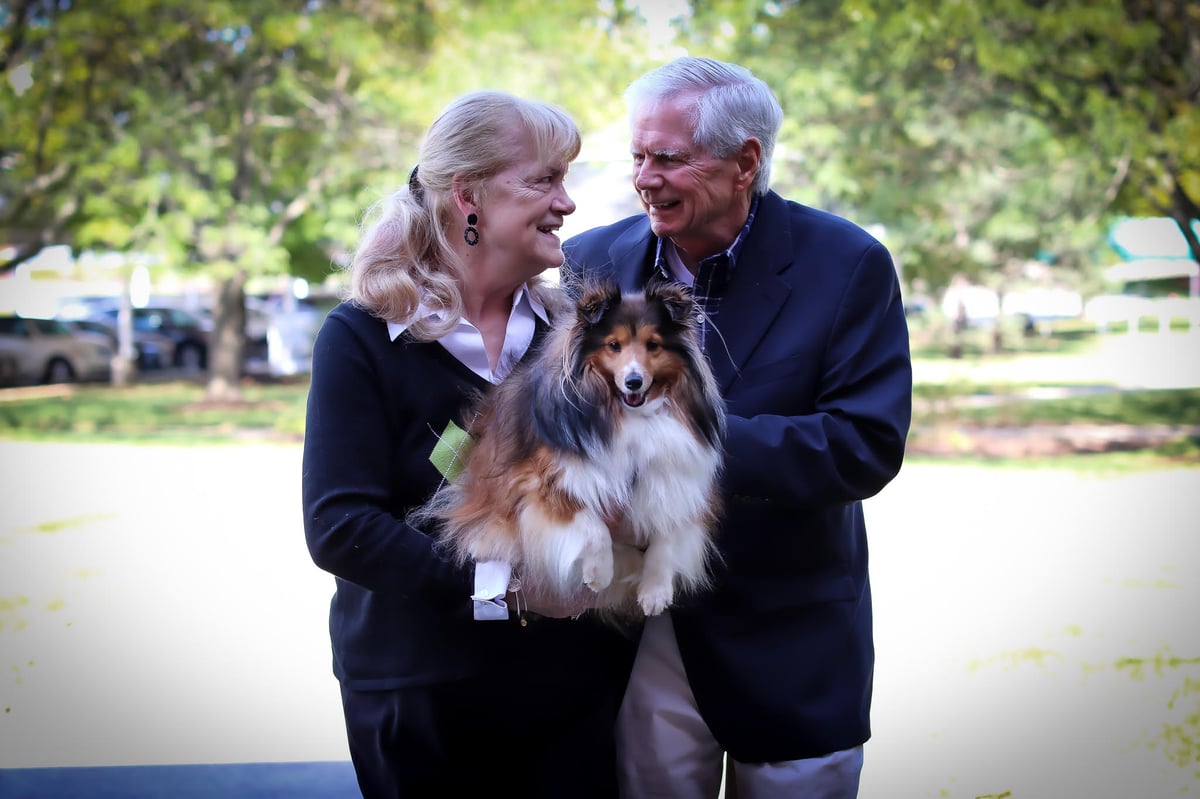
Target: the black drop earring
(471, 234)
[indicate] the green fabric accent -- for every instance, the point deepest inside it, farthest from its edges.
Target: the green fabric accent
(452, 447)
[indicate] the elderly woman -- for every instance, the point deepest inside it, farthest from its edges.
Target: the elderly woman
(447, 689)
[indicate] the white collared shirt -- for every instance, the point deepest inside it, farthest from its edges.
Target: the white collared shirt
(675, 264)
(465, 343)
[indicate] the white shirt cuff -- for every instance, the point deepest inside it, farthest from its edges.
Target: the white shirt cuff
(491, 584)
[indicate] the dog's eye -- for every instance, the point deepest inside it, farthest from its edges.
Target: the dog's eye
(614, 345)
(652, 346)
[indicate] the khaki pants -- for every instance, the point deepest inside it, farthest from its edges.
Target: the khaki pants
(665, 749)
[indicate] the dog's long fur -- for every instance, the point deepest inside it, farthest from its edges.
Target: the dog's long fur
(616, 416)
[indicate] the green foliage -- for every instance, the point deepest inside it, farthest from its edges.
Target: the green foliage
(248, 136)
(978, 134)
(235, 136)
(215, 127)
(573, 53)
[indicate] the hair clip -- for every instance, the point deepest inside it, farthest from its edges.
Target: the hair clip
(414, 185)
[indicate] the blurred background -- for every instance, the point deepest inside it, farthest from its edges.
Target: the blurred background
(180, 183)
(1032, 167)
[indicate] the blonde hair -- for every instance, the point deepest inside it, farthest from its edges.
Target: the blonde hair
(404, 256)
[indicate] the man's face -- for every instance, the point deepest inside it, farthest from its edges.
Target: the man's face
(698, 201)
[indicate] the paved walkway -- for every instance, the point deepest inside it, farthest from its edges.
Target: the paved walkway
(333, 780)
(1142, 360)
(162, 630)
(158, 609)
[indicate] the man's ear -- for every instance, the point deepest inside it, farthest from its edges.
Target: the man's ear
(749, 160)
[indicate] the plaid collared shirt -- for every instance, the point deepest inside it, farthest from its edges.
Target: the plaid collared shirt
(712, 274)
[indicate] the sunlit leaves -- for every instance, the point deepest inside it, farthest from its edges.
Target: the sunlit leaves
(980, 134)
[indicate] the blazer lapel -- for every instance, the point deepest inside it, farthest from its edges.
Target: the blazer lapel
(632, 255)
(755, 295)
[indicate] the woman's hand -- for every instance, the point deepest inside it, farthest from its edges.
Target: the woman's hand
(532, 599)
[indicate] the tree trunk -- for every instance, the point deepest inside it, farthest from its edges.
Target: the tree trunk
(228, 343)
(124, 371)
(998, 328)
(959, 330)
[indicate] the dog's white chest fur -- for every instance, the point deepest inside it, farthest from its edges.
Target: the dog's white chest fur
(660, 478)
(653, 460)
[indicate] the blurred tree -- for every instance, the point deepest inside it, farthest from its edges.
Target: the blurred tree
(200, 131)
(63, 107)
(269, 111)
(980, 134)
(577, 54)
(244, 137)
(1118, 77)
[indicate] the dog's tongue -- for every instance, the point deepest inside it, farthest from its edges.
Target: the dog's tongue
(634, 400)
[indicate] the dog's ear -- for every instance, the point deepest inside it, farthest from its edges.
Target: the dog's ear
(595, 302)
(593, 310)
(675, 298)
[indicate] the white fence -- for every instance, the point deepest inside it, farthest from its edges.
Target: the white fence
(1106, 310)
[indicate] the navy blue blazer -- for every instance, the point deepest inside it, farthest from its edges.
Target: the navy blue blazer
(813, 362)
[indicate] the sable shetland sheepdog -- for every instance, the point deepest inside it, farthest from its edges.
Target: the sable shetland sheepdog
(617, 415)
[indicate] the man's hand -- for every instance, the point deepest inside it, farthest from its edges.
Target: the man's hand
(621, 529)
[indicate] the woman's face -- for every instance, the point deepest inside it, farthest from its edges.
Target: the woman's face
(522, 212)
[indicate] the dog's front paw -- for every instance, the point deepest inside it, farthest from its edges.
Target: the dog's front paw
(654, 599)
(598, 572)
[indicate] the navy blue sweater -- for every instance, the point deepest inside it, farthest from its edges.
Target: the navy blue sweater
(401, 613)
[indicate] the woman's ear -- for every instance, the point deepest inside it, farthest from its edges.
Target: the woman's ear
(463, 196)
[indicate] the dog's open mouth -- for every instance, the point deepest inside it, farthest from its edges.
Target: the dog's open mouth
(634, 399)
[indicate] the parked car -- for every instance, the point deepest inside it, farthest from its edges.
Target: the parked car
(185, 330)
(280, 335)
(151, 350)
(47, 351)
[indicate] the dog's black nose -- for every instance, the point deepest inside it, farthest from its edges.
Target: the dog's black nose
(633, 382)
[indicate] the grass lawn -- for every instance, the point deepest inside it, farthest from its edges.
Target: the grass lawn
(175, 412)
(965, 415)
(1108, 386)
